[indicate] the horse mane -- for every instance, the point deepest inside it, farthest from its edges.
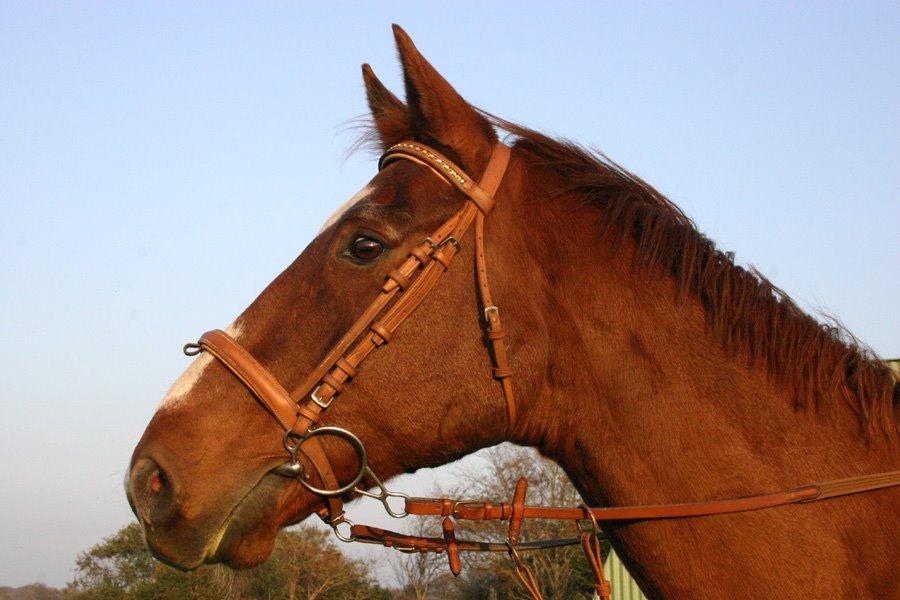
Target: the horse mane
(815, 361)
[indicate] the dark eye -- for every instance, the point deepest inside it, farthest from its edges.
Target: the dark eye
(365, 249)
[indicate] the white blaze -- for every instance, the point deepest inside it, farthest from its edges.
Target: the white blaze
(358, 197)
(184, 384)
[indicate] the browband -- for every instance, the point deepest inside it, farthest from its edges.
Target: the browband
(482, 195)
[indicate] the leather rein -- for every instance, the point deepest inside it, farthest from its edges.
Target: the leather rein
(299, 413)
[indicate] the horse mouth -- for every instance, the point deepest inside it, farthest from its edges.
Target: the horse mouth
(246, 536)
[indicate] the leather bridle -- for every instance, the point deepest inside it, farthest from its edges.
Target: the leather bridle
(300, 412)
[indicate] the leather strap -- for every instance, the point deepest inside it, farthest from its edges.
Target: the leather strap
(481, 195)
(493, 175)
(524, 574)
(593, 553)
(452, 546)
(253, 375)
(486, 511)
(590, 545)
(276, 400)
(415, 543)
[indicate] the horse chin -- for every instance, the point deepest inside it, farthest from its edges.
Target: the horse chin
(247, 537)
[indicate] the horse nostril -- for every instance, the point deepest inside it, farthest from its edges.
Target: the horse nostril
(150, 492)
(157, 481)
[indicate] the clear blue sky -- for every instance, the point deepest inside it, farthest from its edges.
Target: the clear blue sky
(161, 162)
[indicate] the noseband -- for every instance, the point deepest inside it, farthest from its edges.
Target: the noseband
(300, 412)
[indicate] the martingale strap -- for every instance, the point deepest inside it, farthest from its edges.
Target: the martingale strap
(516, 511)
(489, 511)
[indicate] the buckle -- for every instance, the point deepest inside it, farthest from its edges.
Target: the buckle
(315, 398)
(450, 240)
(490, 309)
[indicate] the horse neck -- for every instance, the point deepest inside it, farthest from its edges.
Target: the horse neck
(640, 404)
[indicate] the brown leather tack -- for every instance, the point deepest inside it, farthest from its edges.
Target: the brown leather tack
(518, 508)
(399, 278)
(502, 373)
(498, 334)
(444, 256)
(304, 411)
(421, 255)
(452, 546)
(384, 335)
(332, 381)
(348, 369)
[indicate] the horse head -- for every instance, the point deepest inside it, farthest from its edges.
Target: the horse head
(201, 479)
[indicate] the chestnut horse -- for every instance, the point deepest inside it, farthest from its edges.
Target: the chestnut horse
(647, 364)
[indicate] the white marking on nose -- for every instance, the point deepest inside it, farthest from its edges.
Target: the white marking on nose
(235, 330)
(184, 384)
(359, 196)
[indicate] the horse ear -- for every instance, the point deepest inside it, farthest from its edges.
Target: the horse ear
(388, 113)
(438, 114)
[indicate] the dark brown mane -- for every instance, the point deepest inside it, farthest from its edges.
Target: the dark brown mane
(751, 316)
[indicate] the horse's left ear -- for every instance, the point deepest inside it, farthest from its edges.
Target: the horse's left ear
(388, 114)
(438, 114)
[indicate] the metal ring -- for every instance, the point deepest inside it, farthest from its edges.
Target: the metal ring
(291, 441)
(337, 533)
(360, 451)
(192, 348)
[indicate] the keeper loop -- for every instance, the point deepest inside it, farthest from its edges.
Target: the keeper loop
(383, 336)
(444, 255)
(306, 413)
(399, 278)
(348, 369)
(420, 255)
(332, 381)
(502, 372)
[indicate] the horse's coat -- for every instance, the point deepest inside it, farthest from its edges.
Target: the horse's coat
(186, 382)
(646, 363)
(343, 208)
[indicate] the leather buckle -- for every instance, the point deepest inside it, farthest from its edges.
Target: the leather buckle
(314, 396)
(450, 240)
(490, 309)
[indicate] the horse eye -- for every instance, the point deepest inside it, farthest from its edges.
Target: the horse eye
(366, 249)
